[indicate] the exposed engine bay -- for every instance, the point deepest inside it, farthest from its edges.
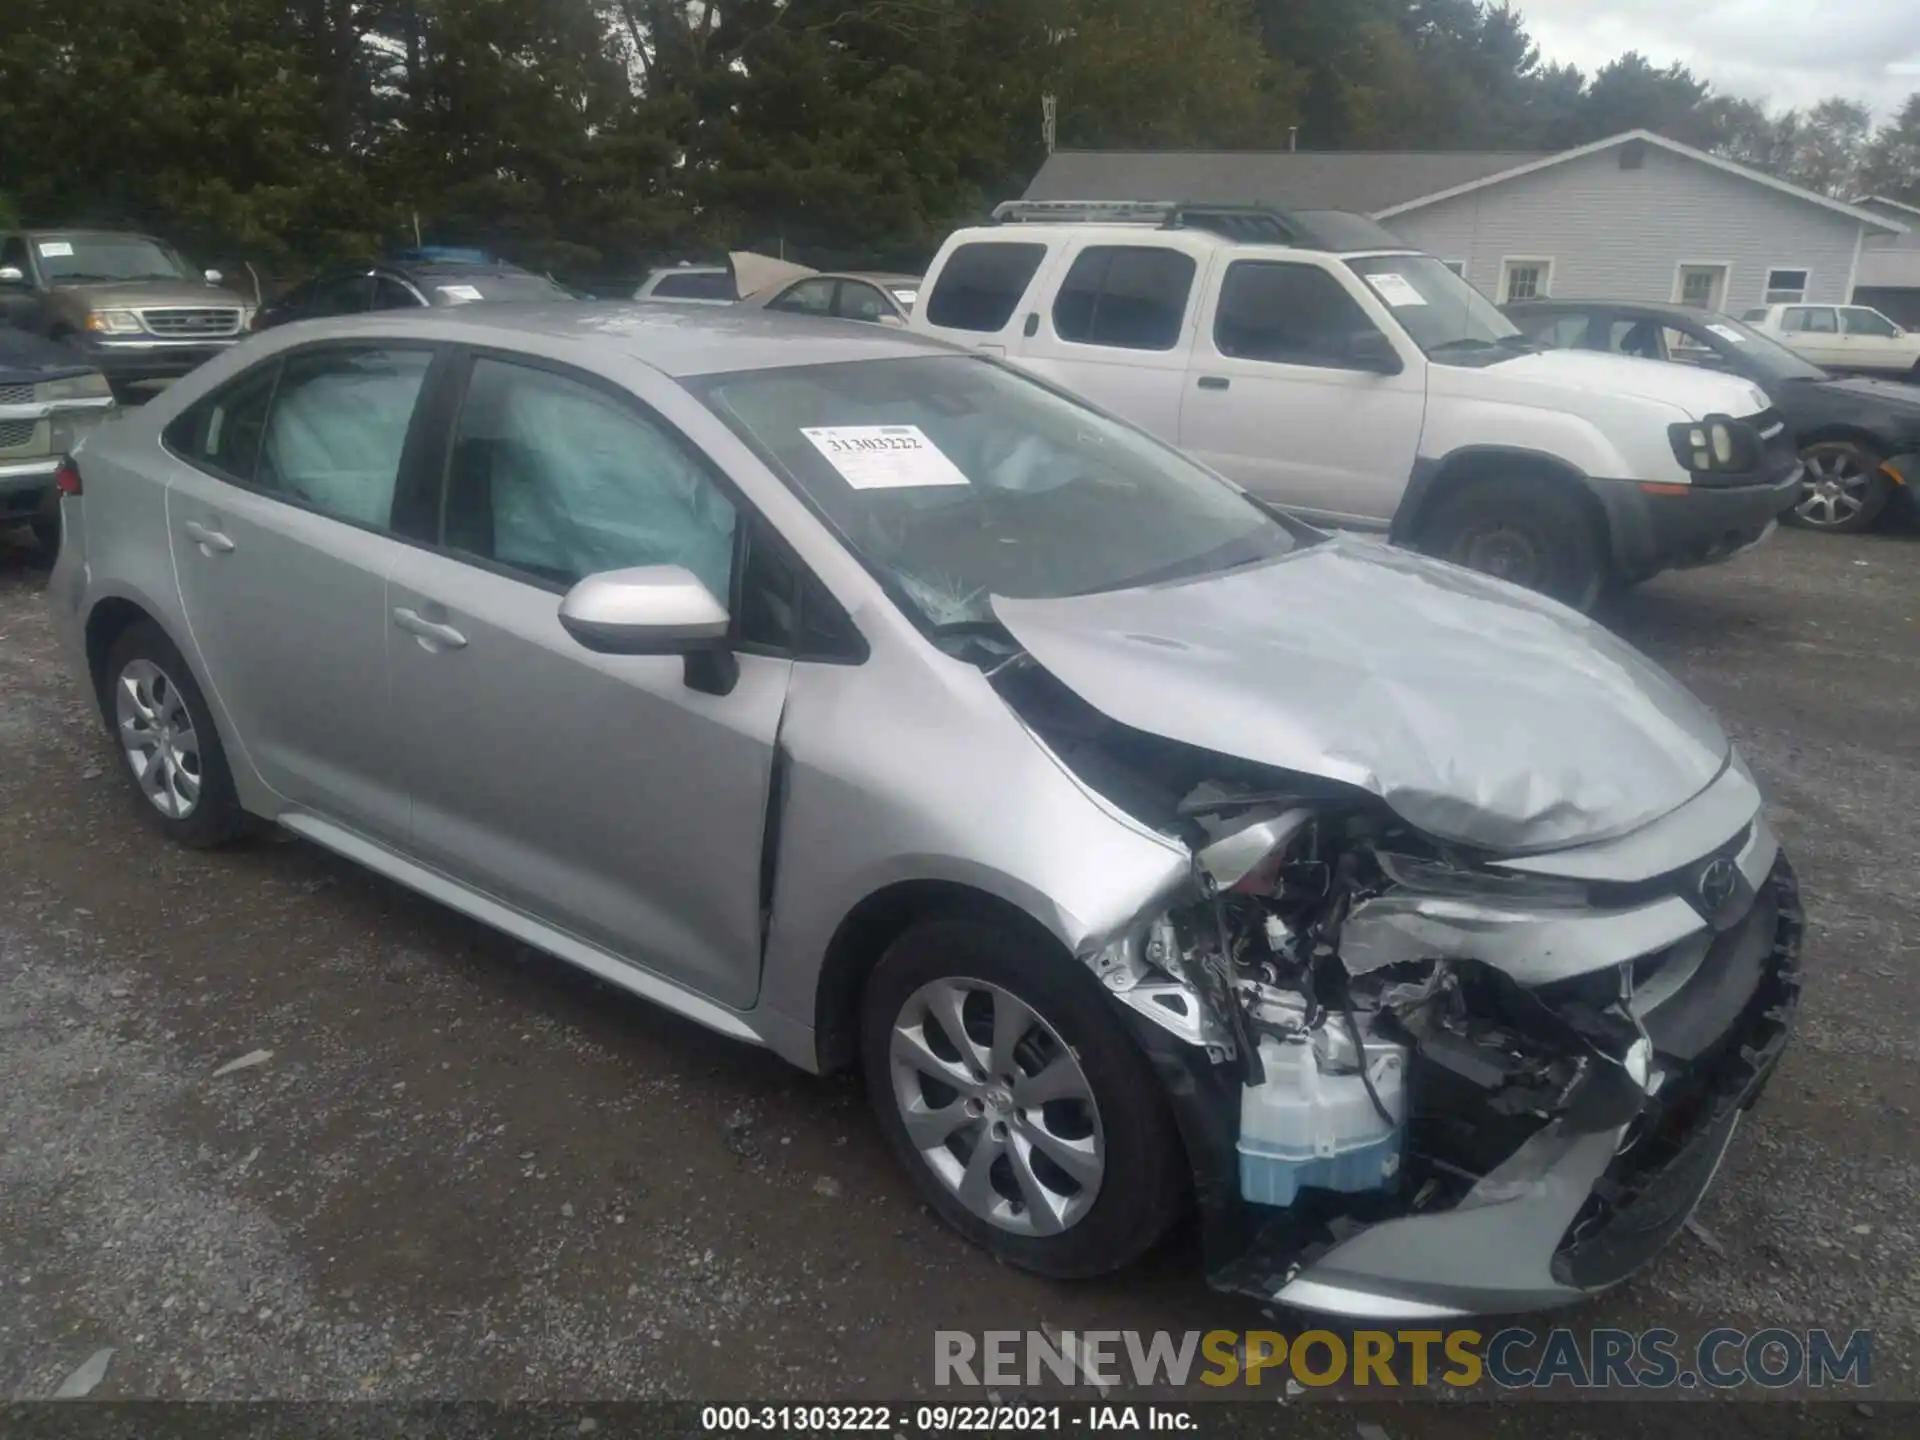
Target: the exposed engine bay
(1363, 1027)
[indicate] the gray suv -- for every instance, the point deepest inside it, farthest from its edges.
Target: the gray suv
(129, 304)
(870, 701)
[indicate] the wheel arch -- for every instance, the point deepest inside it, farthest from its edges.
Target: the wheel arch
(1845, 432)
(872, 925)
(1435, 480)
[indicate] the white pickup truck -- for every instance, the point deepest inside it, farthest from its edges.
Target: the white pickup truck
(1315, 360)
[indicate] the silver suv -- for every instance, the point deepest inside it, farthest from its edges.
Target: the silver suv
(870, 701)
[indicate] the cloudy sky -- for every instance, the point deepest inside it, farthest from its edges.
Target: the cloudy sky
(1782, 52)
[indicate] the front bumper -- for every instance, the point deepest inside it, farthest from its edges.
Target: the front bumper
(1672, 527)
(1568, 1213)
(140, 358)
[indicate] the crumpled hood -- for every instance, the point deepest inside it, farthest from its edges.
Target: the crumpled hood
(1479, 712)
(1564, 378)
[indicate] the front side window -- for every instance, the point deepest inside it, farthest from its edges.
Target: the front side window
(1133, 297)
(341, 295)
(955, 479)
(1287, 314)
(338, 428)
(558, 480)
(390, 294)
(860, 301)
(981, 284)
(809, 297)
(1869, 322)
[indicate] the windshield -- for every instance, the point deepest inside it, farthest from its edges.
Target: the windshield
(1446, 317)
(71, 258)
(1752, 352)
(954, 480)
(509, 288)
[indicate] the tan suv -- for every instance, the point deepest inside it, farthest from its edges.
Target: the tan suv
(128, 303)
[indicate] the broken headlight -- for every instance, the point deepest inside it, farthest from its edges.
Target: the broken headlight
(1438, 878)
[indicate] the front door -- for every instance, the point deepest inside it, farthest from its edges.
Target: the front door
(600, 794)
(1872, 342)
(1118, 330)
(280, 518)
(1273, 401)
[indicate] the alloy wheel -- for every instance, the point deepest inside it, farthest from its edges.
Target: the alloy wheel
(157, 733)
(1837, 488)
(997, 1105)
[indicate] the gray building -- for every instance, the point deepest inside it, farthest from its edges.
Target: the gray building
(1890, 265)
(1633, 217)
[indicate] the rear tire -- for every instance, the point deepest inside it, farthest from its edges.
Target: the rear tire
(169, 749)
(1080, 1090)
(1845, 489)
(1532, 532)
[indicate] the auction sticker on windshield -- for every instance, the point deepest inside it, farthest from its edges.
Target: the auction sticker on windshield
(460, 294)
(883, 457)
(1727, 332)
(1395, 289)
(52, 249)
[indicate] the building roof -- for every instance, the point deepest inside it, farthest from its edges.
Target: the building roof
(1647, 137)
(1363, 181)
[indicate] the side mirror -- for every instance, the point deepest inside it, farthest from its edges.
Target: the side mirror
(214, 277)
(1370, 350)
(12, 275)
(654, 610)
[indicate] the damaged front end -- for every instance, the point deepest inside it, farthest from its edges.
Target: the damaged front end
(1419, 1080)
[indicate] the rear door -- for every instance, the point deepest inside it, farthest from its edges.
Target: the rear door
(281, 498)
(1814, 331)
(601, 794)
(1273, 400)
(1118, 327)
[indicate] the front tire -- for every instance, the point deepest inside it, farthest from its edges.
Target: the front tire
(1845, 489)
(1532, 532)
(1007, 1086)
(169, 749)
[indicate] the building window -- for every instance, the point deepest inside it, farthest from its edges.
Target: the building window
(1786, 287)
(1702, 286)
(1525, 280)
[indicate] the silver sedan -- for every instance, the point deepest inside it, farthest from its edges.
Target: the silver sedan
(874, 703)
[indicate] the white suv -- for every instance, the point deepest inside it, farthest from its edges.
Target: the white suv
(1842, 337)
(1317, 361)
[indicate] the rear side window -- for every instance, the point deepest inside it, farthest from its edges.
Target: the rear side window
(338, 428)
(699, 285)
(1814, 320)
(222, 433)
(1130, 296)
(981, 284)
(1286, 313)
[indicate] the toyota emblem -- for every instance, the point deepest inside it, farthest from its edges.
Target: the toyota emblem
(1717, 884)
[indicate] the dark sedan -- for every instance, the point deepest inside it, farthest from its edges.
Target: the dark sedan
(1860, 438)
(409, 283)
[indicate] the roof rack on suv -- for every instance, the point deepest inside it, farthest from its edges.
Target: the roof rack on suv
(1254, 223)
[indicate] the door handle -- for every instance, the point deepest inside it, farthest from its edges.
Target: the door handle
(211, 542)
(414, 623)
(1214, 382)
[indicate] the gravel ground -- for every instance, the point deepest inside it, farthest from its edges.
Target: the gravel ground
(462, 1170)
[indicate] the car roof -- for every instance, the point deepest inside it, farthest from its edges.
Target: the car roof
(68, 232)
(1039, 233)
(680, 341)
